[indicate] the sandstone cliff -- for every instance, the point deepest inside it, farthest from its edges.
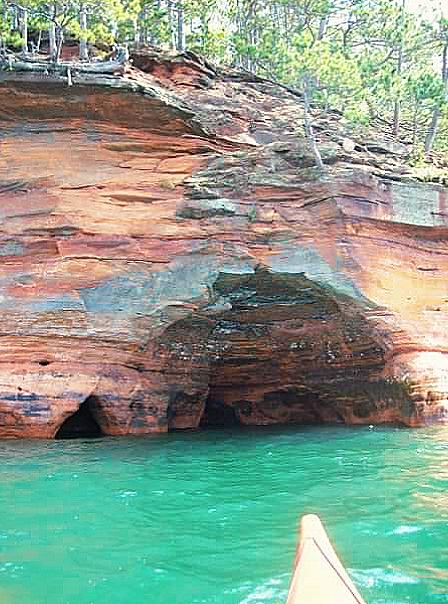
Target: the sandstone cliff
(170, 258)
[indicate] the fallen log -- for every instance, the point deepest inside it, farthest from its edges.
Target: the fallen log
(115, 65)
(63, 68)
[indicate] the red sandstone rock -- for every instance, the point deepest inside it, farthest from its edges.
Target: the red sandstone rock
(170, 255)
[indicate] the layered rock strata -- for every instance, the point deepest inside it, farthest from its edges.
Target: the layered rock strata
(171, 258)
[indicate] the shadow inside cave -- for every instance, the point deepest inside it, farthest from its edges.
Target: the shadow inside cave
(82, 423)
(218, 415)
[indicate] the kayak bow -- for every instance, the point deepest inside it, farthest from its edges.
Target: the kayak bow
(319, 577)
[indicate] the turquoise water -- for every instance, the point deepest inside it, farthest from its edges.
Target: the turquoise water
(211, 517)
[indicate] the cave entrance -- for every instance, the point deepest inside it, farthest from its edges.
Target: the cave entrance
(218, 415)
(287, 406)
(82, 424)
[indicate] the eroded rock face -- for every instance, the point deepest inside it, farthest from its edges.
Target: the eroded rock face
(170, 258)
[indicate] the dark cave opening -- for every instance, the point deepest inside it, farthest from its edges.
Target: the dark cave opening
(284, 406)
(82, 424)
(218, 415)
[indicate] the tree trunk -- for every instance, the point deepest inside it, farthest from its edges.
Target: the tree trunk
(24, 31)
(59, 42)
(152, 36)
(242, 30)
(275, 31)
(322, 27)
(414, 124)
(397, 116)
(180, 27)
(285, 19)
(39, 40)
(397, 104)
(429, 141)
(169, 4)
(445, 67)
(135, 24)
(52, 42)
(251, 31)
(141, 29)
(52, 36)
(4, 15)
(15, 18)
(240, 27)
(309, 133)
(83, 51)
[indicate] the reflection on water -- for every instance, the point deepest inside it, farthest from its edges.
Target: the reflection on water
(211, 517)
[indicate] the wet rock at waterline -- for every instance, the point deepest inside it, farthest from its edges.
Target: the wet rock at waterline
(171, 258)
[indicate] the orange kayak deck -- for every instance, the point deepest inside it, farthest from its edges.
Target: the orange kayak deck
(319, 577)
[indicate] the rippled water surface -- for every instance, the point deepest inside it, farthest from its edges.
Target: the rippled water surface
(211, 517)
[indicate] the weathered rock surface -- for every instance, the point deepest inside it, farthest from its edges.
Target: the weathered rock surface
(170, 258)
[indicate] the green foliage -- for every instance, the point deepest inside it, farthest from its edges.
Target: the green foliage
(429, 173)
(9, 38)
(424, 86)
(358, 113)
(362, 57)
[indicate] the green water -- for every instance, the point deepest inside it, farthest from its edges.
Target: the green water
(210, 517)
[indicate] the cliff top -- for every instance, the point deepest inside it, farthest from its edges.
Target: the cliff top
(227, 105)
